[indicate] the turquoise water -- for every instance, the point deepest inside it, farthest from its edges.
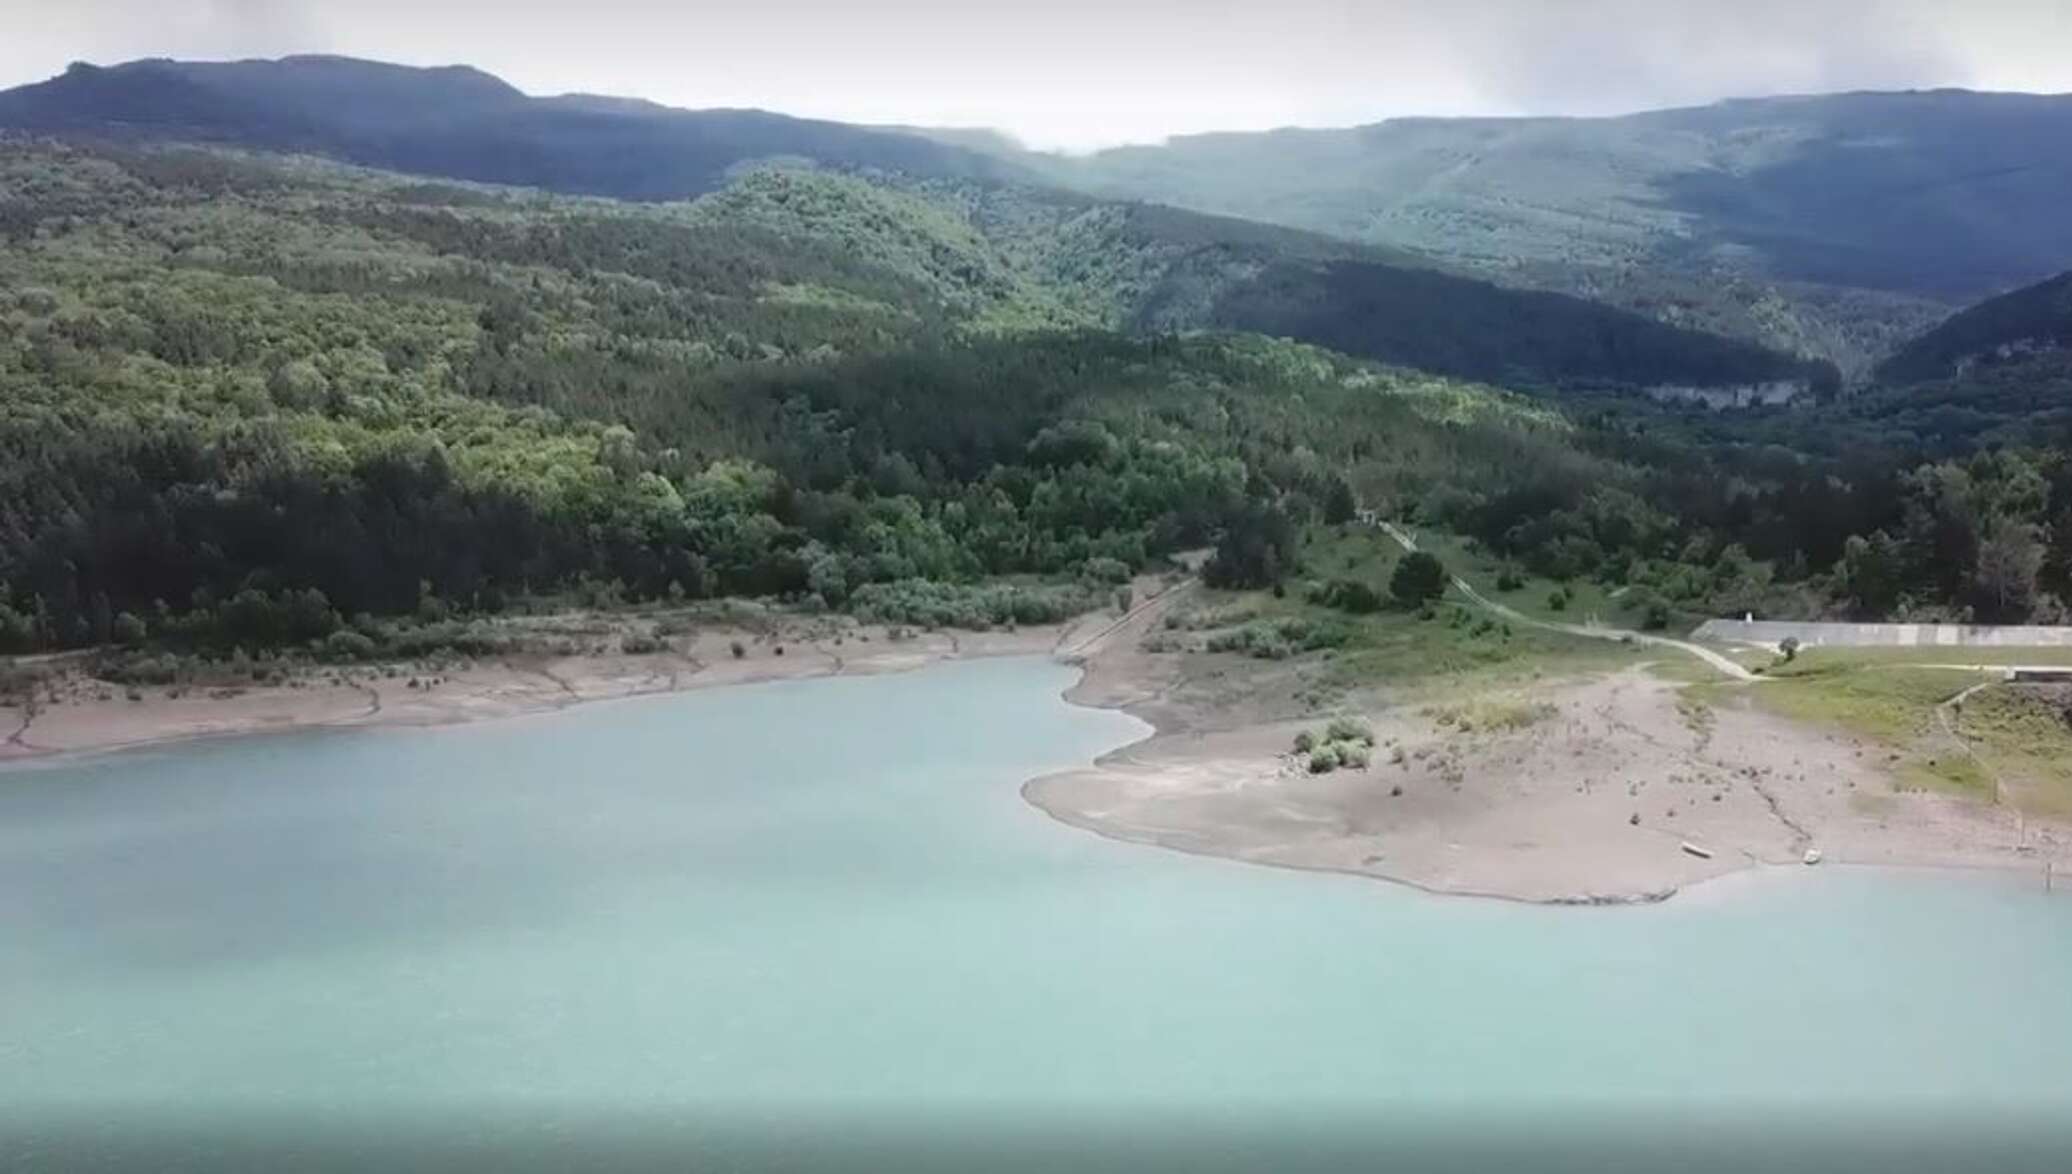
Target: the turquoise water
(829, 894)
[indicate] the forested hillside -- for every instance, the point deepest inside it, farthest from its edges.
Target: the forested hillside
(247, 401)
(252, 401)
(1999, 372)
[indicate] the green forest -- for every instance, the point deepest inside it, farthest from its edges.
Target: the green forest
(252, 401)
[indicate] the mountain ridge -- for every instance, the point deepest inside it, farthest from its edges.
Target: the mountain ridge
(1212, 273)
(480, 128)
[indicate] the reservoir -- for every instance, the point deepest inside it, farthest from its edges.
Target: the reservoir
(825, 901)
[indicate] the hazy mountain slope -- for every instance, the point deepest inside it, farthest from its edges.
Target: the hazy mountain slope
(1944, 194)
(1833, 224)
(456, 122)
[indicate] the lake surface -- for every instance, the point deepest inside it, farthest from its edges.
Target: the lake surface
(825, 901)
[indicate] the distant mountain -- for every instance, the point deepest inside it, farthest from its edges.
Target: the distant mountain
(1123, 266)
(1832, 225)
(2035, 321)
(456, 122)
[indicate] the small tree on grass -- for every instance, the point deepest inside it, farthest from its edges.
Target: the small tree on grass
(1418, 579)
(1790, 648)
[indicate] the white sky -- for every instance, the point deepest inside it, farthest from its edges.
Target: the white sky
(1077, 74)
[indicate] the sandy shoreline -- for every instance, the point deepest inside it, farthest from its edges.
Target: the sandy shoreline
(95, 718)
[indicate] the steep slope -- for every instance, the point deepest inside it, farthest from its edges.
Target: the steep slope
(455, 122)
(2034, 321)
(1999, 372)
(1833, 224)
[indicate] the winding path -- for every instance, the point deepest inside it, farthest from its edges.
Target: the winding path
(1591, 631)
(1154, 606)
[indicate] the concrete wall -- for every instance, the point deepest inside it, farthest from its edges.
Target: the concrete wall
(1770, 633)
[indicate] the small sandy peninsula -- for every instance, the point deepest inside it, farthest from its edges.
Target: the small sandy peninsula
(1614, 792)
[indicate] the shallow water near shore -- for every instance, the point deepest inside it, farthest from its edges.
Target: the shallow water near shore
(829, 895)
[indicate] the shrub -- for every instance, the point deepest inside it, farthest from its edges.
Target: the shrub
(1112, 571)
(931, 604)
(1279, 639)
(128, 629)
(1354, 755)
(1349, 729)
(1508, 579)
(738, 649)
(347, 645)
(1557, 599)
(1347, 595)
(1418, 578)
(1654, 611)
(1305, 742)
(1323, 760)
(641, 644)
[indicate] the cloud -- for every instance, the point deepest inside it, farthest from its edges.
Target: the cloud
(106, 31)
(1596, 56)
